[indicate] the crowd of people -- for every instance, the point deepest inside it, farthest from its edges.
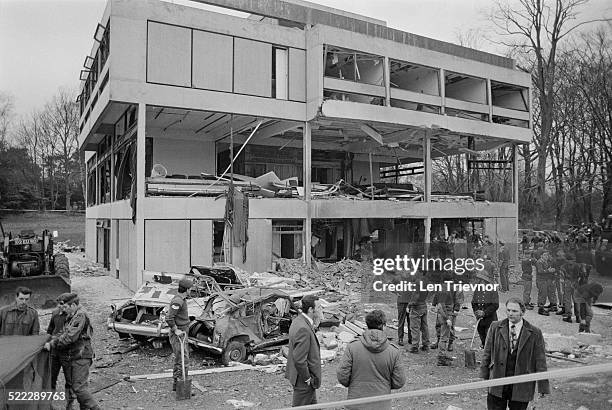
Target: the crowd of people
(372, 364)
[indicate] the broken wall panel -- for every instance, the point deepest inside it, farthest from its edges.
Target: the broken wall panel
(168, 54)
(252, 67)
(213, 58)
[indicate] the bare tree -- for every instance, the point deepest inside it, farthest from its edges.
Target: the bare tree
(61, 118)
(536, 29)
(6, 115)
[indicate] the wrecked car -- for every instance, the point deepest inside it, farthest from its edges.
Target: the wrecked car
(245, 321)
(144, 316)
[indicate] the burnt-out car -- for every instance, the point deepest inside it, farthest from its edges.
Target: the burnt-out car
(245, 321)
(144, 315)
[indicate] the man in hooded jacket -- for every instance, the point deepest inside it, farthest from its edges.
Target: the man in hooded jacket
(371, 365)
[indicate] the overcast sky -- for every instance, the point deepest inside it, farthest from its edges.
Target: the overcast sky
(43, 43)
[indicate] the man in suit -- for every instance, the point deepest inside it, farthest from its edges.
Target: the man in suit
(304, 358)
(513, 347)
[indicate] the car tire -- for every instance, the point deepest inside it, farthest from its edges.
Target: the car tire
(234, 352)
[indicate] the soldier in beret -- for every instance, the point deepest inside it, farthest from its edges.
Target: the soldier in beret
(178, 320)
(75, 343)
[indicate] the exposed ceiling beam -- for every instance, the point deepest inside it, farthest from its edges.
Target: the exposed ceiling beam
(372, 133)
(223, 130)
(275, 129)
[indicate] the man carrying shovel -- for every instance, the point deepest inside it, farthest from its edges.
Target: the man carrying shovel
(178, 320)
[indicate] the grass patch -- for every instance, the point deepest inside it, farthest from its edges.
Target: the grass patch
(69, 226)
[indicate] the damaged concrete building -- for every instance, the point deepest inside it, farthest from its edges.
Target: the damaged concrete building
(320, 117)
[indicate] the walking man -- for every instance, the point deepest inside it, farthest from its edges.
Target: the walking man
(75, 340)
(572, 272)
(304, 358)
(371, 365)
(585, 296)
(178, 320)
(19, 318)
(513, 347)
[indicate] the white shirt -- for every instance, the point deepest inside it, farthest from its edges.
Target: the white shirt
(309, 319)
(517, 329)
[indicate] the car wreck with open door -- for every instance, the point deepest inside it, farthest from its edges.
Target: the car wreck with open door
(246, 321)
(143, 317)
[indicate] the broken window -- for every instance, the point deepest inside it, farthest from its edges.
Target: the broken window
(407, 105)
(352, 97)
(415, 78)
(287, 239)
(465, 88)
(354, 66)
(513, 103)
(91, 181)
(218, 253)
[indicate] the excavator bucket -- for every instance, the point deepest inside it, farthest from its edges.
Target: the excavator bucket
(45, 289)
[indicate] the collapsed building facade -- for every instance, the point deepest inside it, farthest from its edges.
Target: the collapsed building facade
(320, 118)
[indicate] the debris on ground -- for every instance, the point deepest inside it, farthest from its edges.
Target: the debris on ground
(241, 404)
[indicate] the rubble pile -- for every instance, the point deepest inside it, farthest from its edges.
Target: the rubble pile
(88, 268)
(341, 283)
(64, 246)
(342, 277)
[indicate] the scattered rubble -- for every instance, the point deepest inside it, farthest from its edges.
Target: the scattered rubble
(241, 404)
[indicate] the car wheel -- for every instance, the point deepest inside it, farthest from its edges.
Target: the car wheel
(234, 352)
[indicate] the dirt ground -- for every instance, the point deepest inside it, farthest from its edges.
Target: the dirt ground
(269, 391)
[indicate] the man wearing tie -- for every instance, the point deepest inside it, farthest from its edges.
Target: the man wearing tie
(513, 347)
(304, 358)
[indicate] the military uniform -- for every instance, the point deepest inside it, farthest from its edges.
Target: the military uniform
(75, 343)
(18, 321)
(572, 272)
(488, 303)
(546, 289)
(558, 263)
(527, 277)
(56, 326)
(504, 261)
(448, 305)
(178, 318)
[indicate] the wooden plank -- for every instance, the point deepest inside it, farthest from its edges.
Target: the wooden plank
(153, 376)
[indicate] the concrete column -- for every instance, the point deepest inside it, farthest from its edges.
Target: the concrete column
(387, 79)
(515, 176)
(427, 164)
(307, 168)
(442, 90)
(140, 193)
(490, 99)
(427, 236)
